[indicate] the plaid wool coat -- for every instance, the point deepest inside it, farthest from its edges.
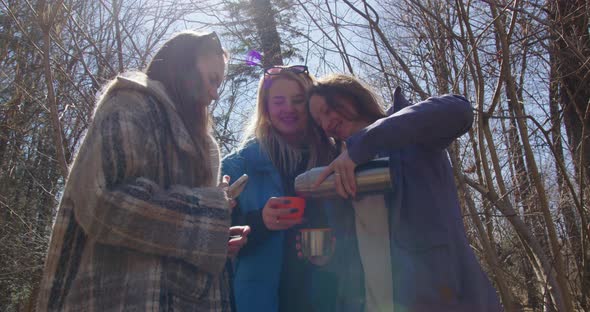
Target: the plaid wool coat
(136, 230)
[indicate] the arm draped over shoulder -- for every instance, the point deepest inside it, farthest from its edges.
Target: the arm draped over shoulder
(433, 123)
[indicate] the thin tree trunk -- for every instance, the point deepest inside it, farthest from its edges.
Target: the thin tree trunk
(562, 295)
(266, 27)
(571, 37)
(565, 202)
(116, 12)
(522, 197)
(46, 25)
(525, 191)
(490, 253)
(571, 49)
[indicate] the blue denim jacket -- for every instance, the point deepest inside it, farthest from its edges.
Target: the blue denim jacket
(433, 266)
(258, 266)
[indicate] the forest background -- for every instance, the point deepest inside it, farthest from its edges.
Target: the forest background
(523, 171)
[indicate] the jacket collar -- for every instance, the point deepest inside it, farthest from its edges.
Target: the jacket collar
(258, 157)
(140, 82)
(399, 102)
(259, 161)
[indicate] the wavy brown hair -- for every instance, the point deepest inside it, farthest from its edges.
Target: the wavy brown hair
(366, 103)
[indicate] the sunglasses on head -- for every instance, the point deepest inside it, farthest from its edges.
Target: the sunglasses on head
(277, 70)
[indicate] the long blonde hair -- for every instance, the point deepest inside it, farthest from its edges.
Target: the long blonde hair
(284, 157)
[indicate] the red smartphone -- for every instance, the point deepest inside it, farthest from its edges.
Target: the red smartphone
(294, 203)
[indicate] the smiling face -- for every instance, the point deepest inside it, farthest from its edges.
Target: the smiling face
(286, 108)
(338, 123)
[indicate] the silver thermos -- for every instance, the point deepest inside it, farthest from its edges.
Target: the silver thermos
(373, 176)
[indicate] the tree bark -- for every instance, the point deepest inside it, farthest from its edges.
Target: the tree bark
(565, 201)
(47, 19)
(116, 12)
(570, 49)
(266, 26)
(571, 41)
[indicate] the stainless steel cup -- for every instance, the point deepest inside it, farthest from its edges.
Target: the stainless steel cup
(316, 242)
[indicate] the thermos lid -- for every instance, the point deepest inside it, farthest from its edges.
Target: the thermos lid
(370, 177)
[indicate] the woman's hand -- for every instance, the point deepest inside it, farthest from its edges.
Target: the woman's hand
(272, 215)
(224, 185)
(344, 177)
(238, 237)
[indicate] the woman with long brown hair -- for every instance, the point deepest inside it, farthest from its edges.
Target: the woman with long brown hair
(142, 224)
(412, 242)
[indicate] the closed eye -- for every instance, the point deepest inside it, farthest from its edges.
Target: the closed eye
(278, 100)
(298, 101)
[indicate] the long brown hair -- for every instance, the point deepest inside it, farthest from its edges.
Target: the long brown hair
(175, 67)
(284, 157)
(367, 105)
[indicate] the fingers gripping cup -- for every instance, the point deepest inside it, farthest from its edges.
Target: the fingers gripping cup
(316, 242)
(295, 203)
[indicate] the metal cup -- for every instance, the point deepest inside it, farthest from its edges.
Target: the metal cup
(316, 242)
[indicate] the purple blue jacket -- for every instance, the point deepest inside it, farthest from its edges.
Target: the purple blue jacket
(433, 266)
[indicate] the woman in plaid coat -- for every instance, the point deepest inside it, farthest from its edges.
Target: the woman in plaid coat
(142, 224)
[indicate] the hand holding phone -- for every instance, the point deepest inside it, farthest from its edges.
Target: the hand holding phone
(237, 187)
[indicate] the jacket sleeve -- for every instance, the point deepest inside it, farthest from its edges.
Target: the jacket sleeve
(234, 165)
(119, 203)
(434, 123)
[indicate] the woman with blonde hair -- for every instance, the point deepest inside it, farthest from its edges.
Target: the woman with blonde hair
(280, 143)
(143, 224)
